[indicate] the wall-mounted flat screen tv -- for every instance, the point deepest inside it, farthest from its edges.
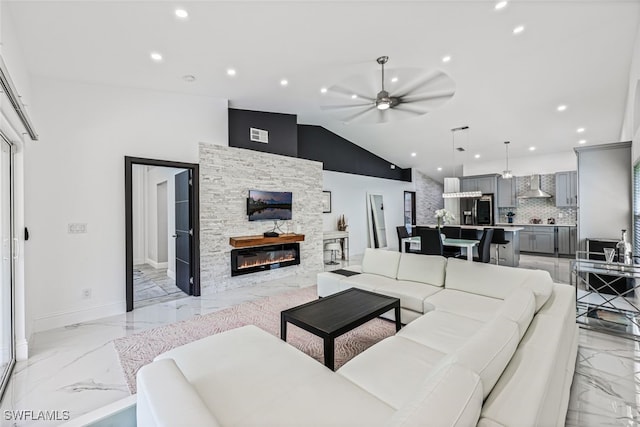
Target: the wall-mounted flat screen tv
(268, 205)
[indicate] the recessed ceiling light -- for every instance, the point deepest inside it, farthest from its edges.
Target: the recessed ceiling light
(446, 58)
(582, 141)
(284, 82)
(580, 130)
(323, 90)
(518, 29)
(181, 13)
(413, 154)
(532, 148)
(439, 169)
(393, 80)
(392, 166)
(231, 72)
(189, 78)
(354, 96)
(477, 156)
(500, 5)
(156, 56)
(561, 107)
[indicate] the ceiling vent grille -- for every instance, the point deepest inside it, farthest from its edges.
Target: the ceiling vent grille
(259, 135)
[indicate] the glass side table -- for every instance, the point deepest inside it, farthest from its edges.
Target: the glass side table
(607, 295)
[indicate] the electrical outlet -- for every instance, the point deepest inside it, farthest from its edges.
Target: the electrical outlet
(77, 228)
(86, 293)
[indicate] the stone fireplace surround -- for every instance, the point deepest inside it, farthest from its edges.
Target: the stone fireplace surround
(226, 176)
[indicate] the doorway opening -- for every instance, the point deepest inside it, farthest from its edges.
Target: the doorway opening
(162, 231)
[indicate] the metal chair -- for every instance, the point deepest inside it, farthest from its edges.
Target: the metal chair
(333, 247)
(430, 241)
(484, 247)
(499, 239)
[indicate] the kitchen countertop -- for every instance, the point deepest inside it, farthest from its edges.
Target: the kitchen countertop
(508, 228)
(534, 225)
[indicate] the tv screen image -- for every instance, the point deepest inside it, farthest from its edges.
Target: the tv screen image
(269, 205)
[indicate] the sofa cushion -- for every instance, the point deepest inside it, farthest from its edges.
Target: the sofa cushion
(381, 262)
(489, 351)
(463, 304)
(393, 369)
(442, 331)
(159, 407)
(237, 372)
(411, 294)
(519, 307)
(367, 281)
(330, 283)
(422, 268)
(496, 281)
(518, 397)
(451, 396)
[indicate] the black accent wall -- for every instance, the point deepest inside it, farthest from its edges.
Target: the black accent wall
(340, 155)
(282, 128)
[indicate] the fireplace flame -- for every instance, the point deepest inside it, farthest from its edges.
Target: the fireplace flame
(266, 259)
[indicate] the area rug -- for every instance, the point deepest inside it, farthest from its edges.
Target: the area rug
(137, 350)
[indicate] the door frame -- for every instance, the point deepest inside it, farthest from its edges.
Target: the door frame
(128, 213)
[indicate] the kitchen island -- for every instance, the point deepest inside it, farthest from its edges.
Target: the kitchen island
(509, 253)
(548, 239)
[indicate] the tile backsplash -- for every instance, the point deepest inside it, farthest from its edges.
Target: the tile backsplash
(538, 208)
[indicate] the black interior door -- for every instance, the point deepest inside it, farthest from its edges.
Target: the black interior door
(183, 232)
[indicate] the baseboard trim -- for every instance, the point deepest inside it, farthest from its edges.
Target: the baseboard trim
(60, 319)
(22, 350)
(154, 264)
(171, 274)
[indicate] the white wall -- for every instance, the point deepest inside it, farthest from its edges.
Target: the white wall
(520, 166)
(348, 197)
(76, 174)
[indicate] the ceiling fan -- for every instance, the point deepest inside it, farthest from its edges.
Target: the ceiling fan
(422, 93)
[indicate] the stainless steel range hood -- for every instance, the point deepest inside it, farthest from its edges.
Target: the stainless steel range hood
(534, 191)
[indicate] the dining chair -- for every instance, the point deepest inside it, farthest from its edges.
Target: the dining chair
(430, 241)
(484, 247)
(403, 234)
(451, 233)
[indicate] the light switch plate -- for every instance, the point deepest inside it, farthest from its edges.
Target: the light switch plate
(77, 228)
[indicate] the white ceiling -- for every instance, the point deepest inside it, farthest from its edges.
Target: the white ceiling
(576, 53)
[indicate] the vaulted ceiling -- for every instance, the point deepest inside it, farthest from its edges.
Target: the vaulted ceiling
(507, 86)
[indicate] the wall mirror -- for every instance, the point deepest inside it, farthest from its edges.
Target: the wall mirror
(375, 217)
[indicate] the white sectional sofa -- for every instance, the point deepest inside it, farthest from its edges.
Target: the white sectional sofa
(484, 345)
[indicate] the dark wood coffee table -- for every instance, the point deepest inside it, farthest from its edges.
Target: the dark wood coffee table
(332, 316)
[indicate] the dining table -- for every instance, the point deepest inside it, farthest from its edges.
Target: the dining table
(466, 244)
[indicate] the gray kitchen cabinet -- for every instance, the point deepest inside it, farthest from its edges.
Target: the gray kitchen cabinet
(567, 239)
(566, 189)
(507, 193)
(539, 239)
(487, 184)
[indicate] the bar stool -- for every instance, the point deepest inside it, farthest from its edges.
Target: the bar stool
(498, 239)
(333, 247)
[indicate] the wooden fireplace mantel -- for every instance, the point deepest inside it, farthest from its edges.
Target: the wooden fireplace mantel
(248, 241)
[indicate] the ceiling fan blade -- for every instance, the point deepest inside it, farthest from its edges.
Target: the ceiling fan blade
(344, 91)
(428, 97)
(344, 107)
(434, 75)
(406, 109)
(359, 114)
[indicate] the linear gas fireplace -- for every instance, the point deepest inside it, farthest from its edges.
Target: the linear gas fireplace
(261, 258)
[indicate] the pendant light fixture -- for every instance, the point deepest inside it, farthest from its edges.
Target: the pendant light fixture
(452, 185)
(506, 173)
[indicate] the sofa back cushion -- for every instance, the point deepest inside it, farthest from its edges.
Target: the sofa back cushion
(519, 307)
(497, 281)
(381, 262)
(428, 269)
(489, 351)
(450, 396)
